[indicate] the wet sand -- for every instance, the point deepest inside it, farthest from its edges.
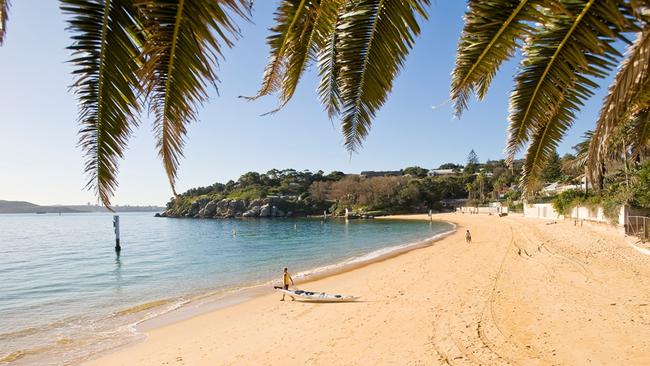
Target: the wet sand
(523, 292)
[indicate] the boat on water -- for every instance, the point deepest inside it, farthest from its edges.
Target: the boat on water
(40, 212)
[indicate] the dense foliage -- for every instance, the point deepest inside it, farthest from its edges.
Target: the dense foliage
(413, 189)
(620, 188)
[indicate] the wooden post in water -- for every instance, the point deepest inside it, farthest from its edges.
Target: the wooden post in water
(116, 226)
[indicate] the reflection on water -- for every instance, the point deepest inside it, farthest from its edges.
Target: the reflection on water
(117, 272)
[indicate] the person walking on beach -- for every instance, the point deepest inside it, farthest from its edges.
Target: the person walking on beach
(468, 237)
(286, 278)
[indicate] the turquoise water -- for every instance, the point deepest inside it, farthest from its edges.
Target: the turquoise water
(64, 294)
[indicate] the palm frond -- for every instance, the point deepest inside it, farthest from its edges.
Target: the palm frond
(582, 150)
(292, 17)
(105, 53)
(4, 15)
(374, 38)
(628, 94)
(640, 136)
(543, 145)
(557, 75)
(491, 34)
(316, 29)
(328, 71)
(183, 47)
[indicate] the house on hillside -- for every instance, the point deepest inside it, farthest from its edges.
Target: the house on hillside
(557, 187)
(444, 172)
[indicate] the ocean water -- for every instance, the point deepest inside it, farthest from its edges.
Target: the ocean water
(65, 295)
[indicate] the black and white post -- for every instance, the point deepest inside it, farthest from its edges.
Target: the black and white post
(116, 226)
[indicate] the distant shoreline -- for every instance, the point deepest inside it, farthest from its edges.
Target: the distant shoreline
(24, 207)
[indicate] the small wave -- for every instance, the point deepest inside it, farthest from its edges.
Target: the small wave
(29, 331)
(13, 356)
(143, 307)
(373, 255)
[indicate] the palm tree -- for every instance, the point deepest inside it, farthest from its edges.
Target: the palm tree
(135, 54)
(161, 54)
(566, 46)
(360, 46)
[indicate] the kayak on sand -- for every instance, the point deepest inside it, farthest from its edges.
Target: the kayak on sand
(317, 296)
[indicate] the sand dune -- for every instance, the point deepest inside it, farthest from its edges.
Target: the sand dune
(523, 293)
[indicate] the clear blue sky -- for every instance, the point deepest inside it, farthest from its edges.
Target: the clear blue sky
(40, 162)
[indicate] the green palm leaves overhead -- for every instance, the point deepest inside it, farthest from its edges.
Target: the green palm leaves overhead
(360, 47)
(493, 30)
(627, 102)
(557, 76)
(160, 53)
(106, 55)
(4, 15)
(373, 40)
(183, 46)
(566, 44)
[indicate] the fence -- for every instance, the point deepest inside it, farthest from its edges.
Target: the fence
(638, 226)
(541, 211)
(490, 210)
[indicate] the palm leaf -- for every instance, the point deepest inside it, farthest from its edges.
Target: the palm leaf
(316, 31)
(184, 43)
(582, 150)
(328, 71)
(556, 77)
(544, 143)
(374, 38)
(105, 53)
(628, 94)
(291, 19)
(640, 135)
(492, 32)
(4, 15)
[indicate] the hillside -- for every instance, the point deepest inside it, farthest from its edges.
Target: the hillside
(28, 207)
(20, 207)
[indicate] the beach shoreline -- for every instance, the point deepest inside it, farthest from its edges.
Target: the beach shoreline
(213, 301)
(248, 331)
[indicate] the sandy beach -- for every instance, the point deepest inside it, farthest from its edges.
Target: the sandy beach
(523, 293)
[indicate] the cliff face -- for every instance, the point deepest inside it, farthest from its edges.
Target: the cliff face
(228, 208)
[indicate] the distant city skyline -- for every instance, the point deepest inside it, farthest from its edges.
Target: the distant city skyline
(41, 163)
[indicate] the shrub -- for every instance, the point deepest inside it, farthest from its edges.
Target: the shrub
(565, 201)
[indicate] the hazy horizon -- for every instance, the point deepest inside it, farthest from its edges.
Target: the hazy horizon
(42, 164)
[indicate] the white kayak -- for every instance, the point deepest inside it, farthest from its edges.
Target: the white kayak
(318, 296)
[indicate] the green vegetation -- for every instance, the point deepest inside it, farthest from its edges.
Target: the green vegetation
(619, 189)
(414, 191)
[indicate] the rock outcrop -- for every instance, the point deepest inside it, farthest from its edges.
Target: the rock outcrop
(226, 208)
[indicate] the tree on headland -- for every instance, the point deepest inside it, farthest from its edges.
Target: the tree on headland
(162, 55)
(452, 166)
(471, 166)
(416, 171)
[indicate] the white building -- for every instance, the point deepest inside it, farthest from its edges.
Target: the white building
(443, 172)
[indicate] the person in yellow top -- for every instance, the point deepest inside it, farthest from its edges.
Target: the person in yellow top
(286, 278)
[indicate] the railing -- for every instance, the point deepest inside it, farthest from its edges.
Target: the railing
(490, 210)
(638, 226)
